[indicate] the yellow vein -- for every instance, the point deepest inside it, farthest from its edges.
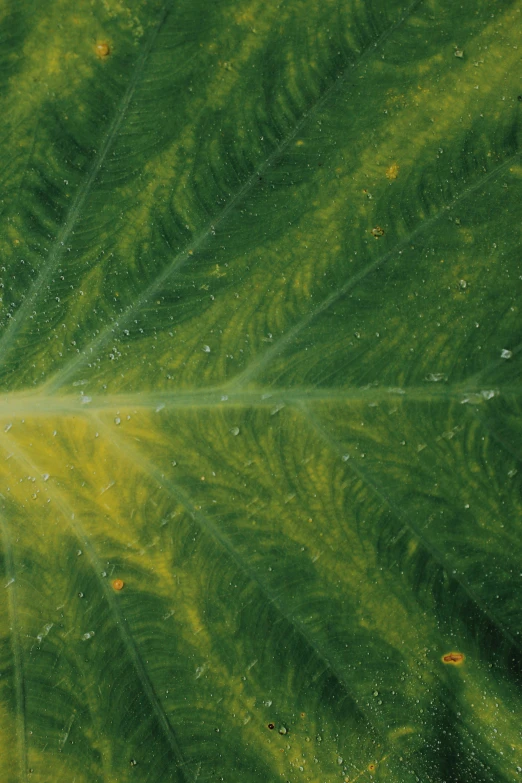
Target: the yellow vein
(143, 465)
(120, 620)
(185, 255)
(57, 248)
(13, 201)
(18, 673)
(261, 362)
(513, 449)
(434, 551)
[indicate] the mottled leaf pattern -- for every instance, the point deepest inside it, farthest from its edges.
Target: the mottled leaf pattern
(260, 363)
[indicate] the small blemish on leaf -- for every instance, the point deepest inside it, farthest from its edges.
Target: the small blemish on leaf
(271, 726)
(118, 584)
(392, 172)
(453, 658)
(102, 49)
(377, 232)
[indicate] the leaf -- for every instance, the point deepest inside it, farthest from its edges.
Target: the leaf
(260, 360)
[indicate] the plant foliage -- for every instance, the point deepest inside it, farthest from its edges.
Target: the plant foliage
(260, 360)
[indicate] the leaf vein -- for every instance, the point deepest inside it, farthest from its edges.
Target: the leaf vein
(120, 620)
(63, 375)
(19, 317)
(19, 678)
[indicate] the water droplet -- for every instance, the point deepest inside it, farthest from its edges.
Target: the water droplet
(87, 635)
(206, 348)
(506, 354)
(345, 457)
(117, 420)
(234, 430)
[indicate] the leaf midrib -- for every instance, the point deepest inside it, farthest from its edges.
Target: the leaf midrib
(27, 404)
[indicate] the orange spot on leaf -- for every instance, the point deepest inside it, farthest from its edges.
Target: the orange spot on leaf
(118, 584)
(453, 658)
(103, 49)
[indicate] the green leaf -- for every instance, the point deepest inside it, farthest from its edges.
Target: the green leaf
(260, 362)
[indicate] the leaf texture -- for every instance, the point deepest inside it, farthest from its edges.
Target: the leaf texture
(260, 361)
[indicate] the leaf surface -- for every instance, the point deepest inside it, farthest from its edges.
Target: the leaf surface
(260, 345)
